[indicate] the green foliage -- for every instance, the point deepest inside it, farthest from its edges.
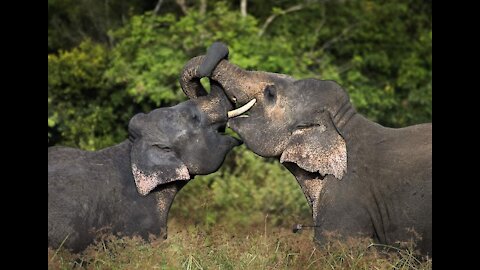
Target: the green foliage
(144, 61)
(84, 108)
(244, 191)
(379, 51)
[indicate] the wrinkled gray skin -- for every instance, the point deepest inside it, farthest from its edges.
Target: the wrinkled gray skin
(128, 188)
(360, 178)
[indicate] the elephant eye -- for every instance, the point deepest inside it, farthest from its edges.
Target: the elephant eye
(270, 93)
(163, 147)
(195, 118)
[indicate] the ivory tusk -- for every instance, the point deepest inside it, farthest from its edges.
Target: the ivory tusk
(242, 109)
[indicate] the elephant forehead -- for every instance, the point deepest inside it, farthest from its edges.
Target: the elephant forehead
(255, 88)
(212, 109)
(173, 121)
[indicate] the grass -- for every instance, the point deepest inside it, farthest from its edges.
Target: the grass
(220, 247)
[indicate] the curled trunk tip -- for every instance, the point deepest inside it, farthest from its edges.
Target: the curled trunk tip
(190, 78)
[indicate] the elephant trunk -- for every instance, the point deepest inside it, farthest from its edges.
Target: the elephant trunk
(239, 85)
(190, 78)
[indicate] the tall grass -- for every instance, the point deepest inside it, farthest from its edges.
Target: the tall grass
(220, 247)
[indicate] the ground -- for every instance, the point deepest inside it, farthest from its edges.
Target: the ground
(219, 247)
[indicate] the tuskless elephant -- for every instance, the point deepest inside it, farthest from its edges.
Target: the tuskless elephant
(129, 188)
(359, 178)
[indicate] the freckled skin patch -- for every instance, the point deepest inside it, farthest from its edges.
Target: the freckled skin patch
(317, 150)
(164, 198)
(311, 184)
(146, 182)
(277, 113)
(313, 187)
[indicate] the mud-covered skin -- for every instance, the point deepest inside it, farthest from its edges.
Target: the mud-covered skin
(128, 188)
(375, 181)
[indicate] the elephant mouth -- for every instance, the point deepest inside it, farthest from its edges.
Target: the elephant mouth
(221, 128)
(221, 131)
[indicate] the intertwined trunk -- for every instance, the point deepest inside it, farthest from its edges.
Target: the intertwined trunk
(239, 85)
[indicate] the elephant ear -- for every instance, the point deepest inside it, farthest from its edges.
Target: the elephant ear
(317, 147)
(153, 166)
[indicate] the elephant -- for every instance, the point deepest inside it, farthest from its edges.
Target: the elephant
(359, 177)
(128, 188)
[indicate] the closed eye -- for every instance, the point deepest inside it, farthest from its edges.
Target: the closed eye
(163, 147)
(304, 125)
(195, 117)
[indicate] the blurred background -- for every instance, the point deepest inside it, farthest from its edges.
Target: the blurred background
(110, 59)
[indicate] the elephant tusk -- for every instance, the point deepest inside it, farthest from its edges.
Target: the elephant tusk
(242, 109)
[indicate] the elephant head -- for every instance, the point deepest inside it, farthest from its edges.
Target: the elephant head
(176, 143)
(298, 121)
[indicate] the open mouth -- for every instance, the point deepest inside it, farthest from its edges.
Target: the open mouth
(221, 128)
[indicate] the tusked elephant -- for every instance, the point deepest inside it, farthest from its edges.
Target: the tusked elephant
(360, 178)
(129, 188)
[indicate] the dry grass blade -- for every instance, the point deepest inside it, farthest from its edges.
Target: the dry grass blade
(61, 245)
(193, 248)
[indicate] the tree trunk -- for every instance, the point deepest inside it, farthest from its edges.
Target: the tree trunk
(183, 6)
(203, 7)
(243, 7)
(157, 7)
